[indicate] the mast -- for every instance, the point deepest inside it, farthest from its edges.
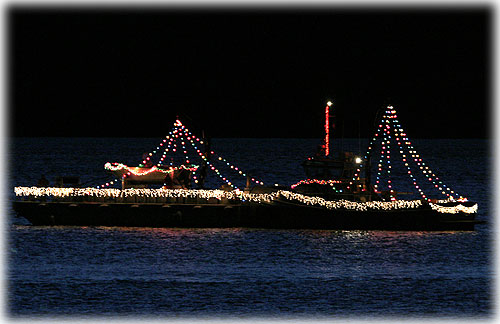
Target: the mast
(327, 128)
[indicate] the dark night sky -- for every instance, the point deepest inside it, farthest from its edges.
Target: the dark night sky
(244, 72)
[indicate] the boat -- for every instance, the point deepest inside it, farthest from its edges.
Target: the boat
(337, 194)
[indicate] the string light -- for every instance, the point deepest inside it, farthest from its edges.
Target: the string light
(454, 209)
(212, 167)
(220, 158)
(137, 171)
(165, 151)
(107, 184)
(418, 160)
(236, 169)
(387, 138)
(409, 170)
(240, 196)
(391, 124)
(327, 128)
(186, 157)
(316, 181)
(181, 133)
(149, 155)
(368, 153)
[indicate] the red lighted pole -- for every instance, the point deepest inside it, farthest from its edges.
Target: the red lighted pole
(327, 128)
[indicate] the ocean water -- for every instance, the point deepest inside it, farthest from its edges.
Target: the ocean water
(80, 272)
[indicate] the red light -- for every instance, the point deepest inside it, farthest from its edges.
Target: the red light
(327, 130)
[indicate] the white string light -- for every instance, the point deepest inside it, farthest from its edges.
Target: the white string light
(238, 195)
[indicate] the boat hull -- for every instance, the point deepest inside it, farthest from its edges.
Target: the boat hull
(249, 215)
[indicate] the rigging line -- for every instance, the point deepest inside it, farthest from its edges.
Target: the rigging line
(388, 159)
(424, 169)
(212, 167)
(368, 154)
(232, 166)
(144, 161)
(409, 171)
(165, 151)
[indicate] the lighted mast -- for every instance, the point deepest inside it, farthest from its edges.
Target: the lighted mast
(327, 128)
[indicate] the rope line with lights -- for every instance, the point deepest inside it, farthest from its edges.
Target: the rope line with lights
(429, 174)
(211, 166)
(366, 156)
(390, 124)
(220, 158)
(171, 140)
(149, 155)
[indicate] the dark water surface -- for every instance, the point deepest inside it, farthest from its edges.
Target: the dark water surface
(171, 273)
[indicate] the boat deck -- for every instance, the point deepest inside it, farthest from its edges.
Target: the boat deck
(278, 215)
